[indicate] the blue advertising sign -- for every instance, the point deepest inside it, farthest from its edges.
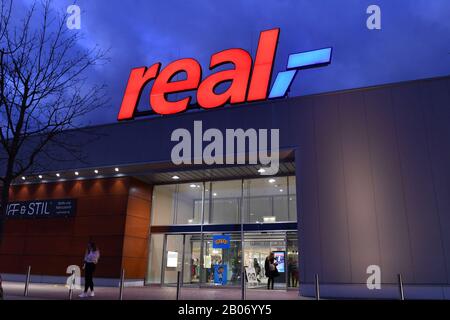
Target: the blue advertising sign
(221, 241)
(220, 274)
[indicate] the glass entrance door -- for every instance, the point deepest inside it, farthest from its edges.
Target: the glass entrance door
(292, 259)
(257, 248)
(202, 262)
(172, 258)
(221, 264)
(192, 259)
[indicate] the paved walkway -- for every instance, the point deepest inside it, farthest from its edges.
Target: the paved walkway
(14, 291)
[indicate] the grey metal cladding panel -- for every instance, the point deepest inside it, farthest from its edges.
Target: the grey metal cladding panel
(421, 206)
(436, 104)
(393, 229)
(331, 192)
(362, 221)
(308, 213)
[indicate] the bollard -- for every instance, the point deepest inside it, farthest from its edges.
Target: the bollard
(72, 285)
(400, 287)
(243, 286)
(1, 289)
(178, 284)
(317, 287)
(122, 280)
(27, 282)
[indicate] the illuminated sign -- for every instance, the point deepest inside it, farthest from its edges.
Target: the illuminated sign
(247, 81)
(172, 259)
(221, 241)
(41, 208)
(279, 259)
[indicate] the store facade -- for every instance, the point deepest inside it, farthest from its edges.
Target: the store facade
(363, 182)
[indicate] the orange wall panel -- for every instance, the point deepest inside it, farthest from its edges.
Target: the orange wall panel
(135, 268)
(137, 227)
(135, 247)
(115, 213)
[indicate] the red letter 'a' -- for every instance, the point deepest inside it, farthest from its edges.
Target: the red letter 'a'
(262, 69)
(207, 98)
(139, 77)
(164, 86)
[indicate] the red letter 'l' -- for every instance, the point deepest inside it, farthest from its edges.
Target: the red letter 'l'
(262, 69)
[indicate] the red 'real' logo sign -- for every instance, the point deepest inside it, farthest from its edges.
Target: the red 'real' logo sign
(248, 82)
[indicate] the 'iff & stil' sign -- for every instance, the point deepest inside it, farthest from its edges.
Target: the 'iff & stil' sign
(41, 208)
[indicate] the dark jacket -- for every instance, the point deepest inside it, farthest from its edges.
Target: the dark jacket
(267, 264)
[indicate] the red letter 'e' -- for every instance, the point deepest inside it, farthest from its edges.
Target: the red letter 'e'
(163, 85)
(207, 98)
(139, 77)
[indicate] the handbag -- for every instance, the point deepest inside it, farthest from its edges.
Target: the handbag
(275, 272)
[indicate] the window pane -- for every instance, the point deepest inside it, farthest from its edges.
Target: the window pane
(260, 207)
(155, 263)
(225, 202)
(292, 199)
(267, 199)
(163, 204)
(189, 203)
(280, 207)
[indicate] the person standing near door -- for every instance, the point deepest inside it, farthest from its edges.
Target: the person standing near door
(257, 269)
(270, 268)
(90, 261)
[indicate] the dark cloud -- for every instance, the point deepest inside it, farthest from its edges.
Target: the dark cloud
(414, 41)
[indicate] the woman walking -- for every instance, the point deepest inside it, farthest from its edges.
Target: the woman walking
(90, 261)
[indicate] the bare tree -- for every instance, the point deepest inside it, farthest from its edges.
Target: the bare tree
(43, 91)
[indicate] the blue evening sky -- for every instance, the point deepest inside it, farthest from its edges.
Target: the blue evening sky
(414, 41)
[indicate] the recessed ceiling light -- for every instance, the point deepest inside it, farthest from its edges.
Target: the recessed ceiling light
(96, 171)
(23, 178)
(40, 176)
(192, 186)
(76, 173)
(58, 175)
(281, 190)
(215, 194)
(116, 169)
(261, 170)
(175, 177)
(272, 180)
